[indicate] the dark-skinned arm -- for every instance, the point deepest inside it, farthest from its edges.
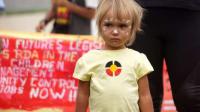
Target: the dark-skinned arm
(82, 96)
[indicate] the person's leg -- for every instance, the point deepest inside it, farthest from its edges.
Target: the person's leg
(148, 42)
(183, 58)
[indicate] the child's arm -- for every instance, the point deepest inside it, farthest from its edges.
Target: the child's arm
(83, 96)
(145, 101)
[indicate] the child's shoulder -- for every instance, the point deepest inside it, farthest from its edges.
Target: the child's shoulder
(134, 52)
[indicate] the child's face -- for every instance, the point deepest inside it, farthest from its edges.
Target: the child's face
(115, 32)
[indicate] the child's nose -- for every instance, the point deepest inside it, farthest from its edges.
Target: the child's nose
(115, 30)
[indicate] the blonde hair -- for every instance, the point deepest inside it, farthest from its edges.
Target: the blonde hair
(120, 9)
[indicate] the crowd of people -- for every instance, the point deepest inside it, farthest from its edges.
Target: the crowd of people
(169, 30)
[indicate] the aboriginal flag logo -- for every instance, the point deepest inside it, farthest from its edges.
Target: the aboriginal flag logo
(113, 68)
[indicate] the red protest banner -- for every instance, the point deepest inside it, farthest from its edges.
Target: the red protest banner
(168, 103)
(36, 71)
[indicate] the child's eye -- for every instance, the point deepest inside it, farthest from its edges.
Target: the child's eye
(108, 24)
(123, 26)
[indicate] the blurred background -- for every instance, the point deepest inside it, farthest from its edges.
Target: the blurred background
(23, 15)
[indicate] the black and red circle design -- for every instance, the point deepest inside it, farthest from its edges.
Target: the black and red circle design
(113, 68)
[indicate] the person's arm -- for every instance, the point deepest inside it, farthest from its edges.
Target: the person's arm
(145, 100)
(85, 12)
(49, 16)
(1, 45)
(82, 96)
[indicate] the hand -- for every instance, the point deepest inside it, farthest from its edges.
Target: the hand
(40, 26)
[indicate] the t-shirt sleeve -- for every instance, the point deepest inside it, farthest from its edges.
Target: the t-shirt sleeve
(81, 71)
(144, 67)
(91, 3)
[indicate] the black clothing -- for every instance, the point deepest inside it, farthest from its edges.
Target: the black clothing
(173, 34)
(77, 25)
(185, 4)
(61, 29)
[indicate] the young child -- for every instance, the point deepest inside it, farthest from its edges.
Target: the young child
(114, 79)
